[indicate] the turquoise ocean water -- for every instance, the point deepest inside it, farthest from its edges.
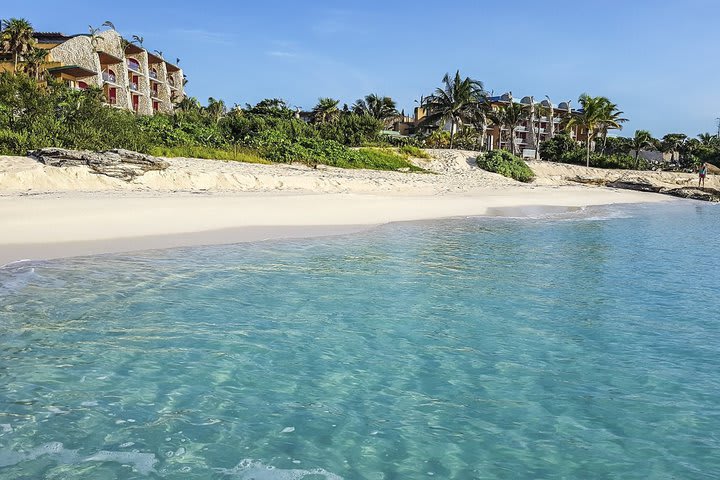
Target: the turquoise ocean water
(580, 345)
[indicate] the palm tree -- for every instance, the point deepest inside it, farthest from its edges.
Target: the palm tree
(34, 60)
(707, 139)
(453, 102)
(381, 108)
(510, 116)
(326, 110)
(479, 117)
(137, 40)
(109, 24)
(642, 139)
(597, 114)
(16, 38)
(215, 109)
(612, 120)
(188, 104)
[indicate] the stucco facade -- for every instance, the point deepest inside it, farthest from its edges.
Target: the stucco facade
(131, 77)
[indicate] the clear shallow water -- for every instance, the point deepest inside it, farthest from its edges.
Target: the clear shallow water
(585, 345)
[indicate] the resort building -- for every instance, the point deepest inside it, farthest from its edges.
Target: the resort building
(131, 77)
(543, 122)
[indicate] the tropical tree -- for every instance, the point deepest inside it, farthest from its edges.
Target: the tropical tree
(479, 117)
(642, 139)
(598, 114)
(539, 110)
(453, 102)
(16, 38)
(380, 108)
(510, 116)
(672, 143)
(34, 60)
(612, 120)
(707, 139)
(326, 110)
(138, 40)
(188, 104)
(215, 109)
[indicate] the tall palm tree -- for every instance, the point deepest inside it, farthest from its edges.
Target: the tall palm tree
(641, 139)
(596, 115)
(479, 117)
(16, 38)
(510, 116)
(381, 108)
(34, 60)
(326, 110)
(612, 120)
(453, 102)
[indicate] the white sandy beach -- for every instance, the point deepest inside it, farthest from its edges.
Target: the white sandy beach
(49, 212)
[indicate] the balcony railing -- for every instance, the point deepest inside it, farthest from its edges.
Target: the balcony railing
(109, 77)
(134, 67)
(134, 86)
(154, 94)
(153, 75)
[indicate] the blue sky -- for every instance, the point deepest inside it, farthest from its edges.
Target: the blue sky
(658, 60)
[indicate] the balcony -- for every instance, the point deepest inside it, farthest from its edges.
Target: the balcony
(109, 77)
(153, 75)
(134, 67)
(155, 94)
(134, 87)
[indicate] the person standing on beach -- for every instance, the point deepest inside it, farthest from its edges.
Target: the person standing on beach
(701, 175)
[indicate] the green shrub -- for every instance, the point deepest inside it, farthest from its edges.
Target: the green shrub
(13, 143)
(553, 149)
(412, 151)
(506, 164)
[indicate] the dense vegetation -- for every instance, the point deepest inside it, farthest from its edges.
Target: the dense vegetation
(506, 164)
(35, 115)
(36, 111)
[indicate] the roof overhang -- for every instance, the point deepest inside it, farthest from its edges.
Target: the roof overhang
(133, 49)
(152, 58)
(106, 58)
(171, 67)
(73, 70)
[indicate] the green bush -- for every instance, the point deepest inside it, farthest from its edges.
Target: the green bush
(553, 149)
(506, 164)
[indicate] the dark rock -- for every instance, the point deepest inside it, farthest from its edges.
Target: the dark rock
(117, 163)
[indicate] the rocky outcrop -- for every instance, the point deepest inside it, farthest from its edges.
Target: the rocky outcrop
(117, 163)
(644, 185)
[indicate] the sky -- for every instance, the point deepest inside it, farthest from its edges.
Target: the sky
(657, 59)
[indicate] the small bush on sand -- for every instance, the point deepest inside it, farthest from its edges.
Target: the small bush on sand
(506, 164)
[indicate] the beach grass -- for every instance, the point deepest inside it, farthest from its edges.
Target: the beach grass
(239, 155)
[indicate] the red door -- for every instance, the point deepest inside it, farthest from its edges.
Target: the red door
(112, 96)
(136, 102)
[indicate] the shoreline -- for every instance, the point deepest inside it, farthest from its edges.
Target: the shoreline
(49, 226)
